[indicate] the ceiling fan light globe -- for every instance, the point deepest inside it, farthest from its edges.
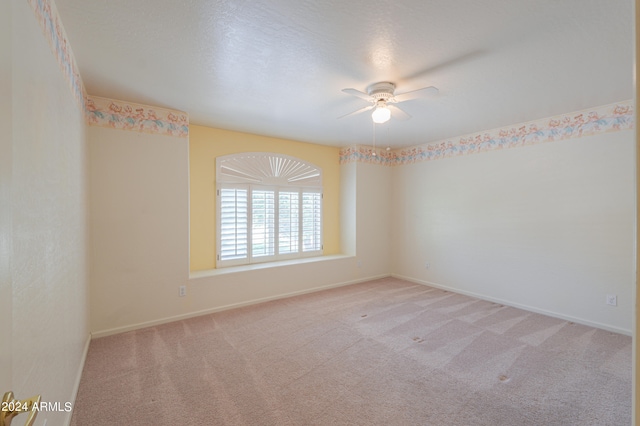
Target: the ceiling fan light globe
(380, 115)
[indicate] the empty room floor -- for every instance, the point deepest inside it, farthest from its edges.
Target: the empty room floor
(384, 352)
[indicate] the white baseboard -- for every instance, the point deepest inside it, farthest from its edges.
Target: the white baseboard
(76, 385)
(118, 330)
(519, 305)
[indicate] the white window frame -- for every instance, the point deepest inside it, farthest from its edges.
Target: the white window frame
(270, 172)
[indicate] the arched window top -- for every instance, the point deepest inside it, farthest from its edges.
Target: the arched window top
(267, 168)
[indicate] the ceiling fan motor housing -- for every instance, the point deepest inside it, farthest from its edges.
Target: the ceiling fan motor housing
(381, 91)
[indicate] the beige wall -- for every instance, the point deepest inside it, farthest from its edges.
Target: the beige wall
(548, 227)
(205, 144)
(636, 365)
(348, 202)
(139, 226)
(6, 229)
(373, 218)
(50, 327)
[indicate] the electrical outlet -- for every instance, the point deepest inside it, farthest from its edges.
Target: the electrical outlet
(182, 291)
(427, 265)
(359, 263)
(612, 299)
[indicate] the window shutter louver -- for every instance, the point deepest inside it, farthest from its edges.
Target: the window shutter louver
(233, 224)
(311, 221)
(288, 223)
(263, 223)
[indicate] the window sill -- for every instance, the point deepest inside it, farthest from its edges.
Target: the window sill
(267, 265)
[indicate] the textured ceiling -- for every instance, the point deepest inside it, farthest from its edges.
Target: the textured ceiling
(277, 67)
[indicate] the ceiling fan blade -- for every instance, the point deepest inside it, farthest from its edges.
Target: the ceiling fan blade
(406, 96)
(398, 113)
(358, 111)
(450, 63)
(358, 94)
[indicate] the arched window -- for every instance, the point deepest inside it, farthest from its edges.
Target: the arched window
(269, 207)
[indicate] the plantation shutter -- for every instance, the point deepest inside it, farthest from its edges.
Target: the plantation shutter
(269, 208)
(233, 224)
(288, 223)
(263, 223)
(311, 221)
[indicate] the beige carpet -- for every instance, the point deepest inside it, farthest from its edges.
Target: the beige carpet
(386, 352)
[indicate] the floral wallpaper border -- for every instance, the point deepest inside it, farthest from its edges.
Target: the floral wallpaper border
(49, 19)
(106, 112)
(606, 118)
(102, 111)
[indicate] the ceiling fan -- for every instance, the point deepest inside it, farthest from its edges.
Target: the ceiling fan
(382, 98)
